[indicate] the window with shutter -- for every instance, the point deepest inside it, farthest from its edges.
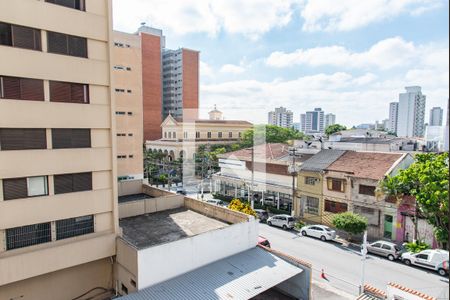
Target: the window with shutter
(26, 37)
(70, 183)
(60, 43)
(75, 4)
(28, 235)
(57, 43)
(21, 88)
(22, 139)
(63, 184)
(60, 91)
(5, 34)
(71, 138)
(77, 46)
(15, 188)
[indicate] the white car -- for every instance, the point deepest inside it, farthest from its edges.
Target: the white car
(430, 259)
(283, 221)
(322, 232)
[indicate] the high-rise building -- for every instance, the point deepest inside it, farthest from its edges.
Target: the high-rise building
(436, 116)
(281, 117)
(58, 190)
(180, 83)
(152, 43)
(313, 122)
(411, 113)
(393, 117)
(127, 81)
(330, 119)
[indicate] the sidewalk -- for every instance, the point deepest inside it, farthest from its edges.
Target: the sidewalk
(325, 291)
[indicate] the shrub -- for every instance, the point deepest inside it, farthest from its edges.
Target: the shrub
(350, 223)
(237, 205)
(299, 225)
(416, 247)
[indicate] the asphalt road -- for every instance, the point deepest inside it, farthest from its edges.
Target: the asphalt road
(342, 266)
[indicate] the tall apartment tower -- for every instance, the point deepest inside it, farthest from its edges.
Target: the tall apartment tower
(393, 117)
(411, 113)
(330, 119)
(58, 208)
(180, 83)
(127, 86)
(436, 116)
(152, 43)
(281, 117)
(313, 122)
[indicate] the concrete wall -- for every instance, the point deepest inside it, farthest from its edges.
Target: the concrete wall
(217, 212)
(65, 284)
(151, 205)
(166, 261)
(129, 187)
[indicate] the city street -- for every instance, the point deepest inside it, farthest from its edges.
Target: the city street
(342, 266)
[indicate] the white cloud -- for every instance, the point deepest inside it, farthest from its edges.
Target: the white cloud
(233, 69)
(354, 99)
(206, 70)
(385, 54)
(251, 17)
(328, 15)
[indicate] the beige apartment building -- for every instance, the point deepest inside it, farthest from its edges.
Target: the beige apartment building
(58, 191)
(127, 78)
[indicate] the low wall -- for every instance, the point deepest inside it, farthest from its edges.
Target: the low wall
(216, 212)
(166, 261)
(154, 191)
(129, 187)
(151, 205)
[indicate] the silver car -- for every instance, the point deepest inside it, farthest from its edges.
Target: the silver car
(386, 249)
(322, 232)
(283, 221)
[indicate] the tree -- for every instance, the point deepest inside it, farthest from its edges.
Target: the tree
(334, 128)
(269, 134)
(350, 223)
(243, 207)
(427, 180)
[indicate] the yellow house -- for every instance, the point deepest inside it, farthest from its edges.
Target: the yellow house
(309, 205)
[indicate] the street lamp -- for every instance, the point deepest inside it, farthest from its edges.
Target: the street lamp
(363, 261)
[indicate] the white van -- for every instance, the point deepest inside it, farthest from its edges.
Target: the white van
(430, 259)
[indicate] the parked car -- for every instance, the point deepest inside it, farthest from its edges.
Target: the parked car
(262, 215)
(216, 202)
(430, 259)
(181, 191)
(322, 232)
(283, 221)
(263, 241)
(386, 249)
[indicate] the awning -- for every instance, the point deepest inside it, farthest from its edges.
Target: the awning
(241, 276)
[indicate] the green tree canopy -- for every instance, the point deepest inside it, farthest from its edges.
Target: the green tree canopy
(273, 134)
(334, 128)
(427, 180)
(350, 223)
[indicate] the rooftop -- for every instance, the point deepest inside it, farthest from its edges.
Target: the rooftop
(321, 160)
(134, 197)
(166, 226)
(275, 151)
(371, 165)
(240, 276)
(370, 140)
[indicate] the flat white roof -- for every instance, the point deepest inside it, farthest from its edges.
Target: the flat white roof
(241, 276)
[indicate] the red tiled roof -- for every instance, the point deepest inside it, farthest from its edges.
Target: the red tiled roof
(272, 151)
(371, 165)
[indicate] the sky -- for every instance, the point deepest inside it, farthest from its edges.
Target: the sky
(349, 57)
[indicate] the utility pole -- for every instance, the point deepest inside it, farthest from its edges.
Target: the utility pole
(293, 153)
(253, 177)
(363, 261)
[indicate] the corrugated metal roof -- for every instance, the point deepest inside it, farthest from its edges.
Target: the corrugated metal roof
(367, 296)
(321, 160)
(241, 276)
